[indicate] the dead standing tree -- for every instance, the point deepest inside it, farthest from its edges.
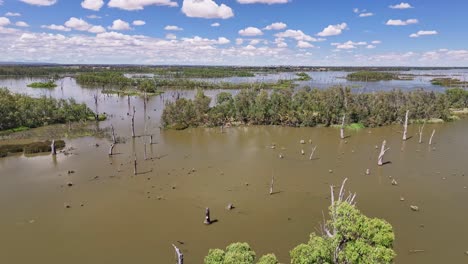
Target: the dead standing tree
(312, 153)
(382, 153)
(342, 135)
(271, 184)
(133, 122)
(53, 150)
(95, 96)
(135, 164)
(405, 127)
(421, 128)
(180, 256)
(432, 136)
(114, 142)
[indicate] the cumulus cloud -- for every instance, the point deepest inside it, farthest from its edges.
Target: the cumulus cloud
(132, 5)
(401, 5)
(276, 26)
(333, 30)
(173, 28)
(40, 2)
(92, 4)
(4, 21)
(10, 14)
(250, 32)
(206, 9)
(376, 42)
(78, 24)
(171, 36)
(398, 22)
(216, 24)
(304, 44)
(119, 24)
(96, 29)
(239, 41)
(423, 33)
(56, 27)
(223, 41)
(269, 2)
(138, 23)
(349, 44)
(21, 24)
(297, 35)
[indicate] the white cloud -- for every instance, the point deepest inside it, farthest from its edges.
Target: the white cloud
(139, 4)
(173, 28)
(138, 23)
(78, 24)
(254, 42)
(206, 9)
(4, 21)
(333, 30)
(276, 26)
(56, 27)
(40, 2)
(366, 14)
(93, 17)
(250, 32)
(269, 2)
(304, 44)
(401, 5)
(171, 36)
(297, 35)
(97, 29)
(21, 24)
(349, 44)
(119, 24)
(216, 24)
(423, 33)
(371, 46)
(356, 10)
(239, 41)
(376, 42)
(398, 22)
(223, 41)
(10, 14)
(92, 4)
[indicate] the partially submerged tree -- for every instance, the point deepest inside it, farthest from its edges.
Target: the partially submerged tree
(237, 253)
(349, 237)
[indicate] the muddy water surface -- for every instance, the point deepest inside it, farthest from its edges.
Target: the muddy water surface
(116, 217)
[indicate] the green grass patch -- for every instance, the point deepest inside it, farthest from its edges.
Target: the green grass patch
(49, 84)
(30, 148)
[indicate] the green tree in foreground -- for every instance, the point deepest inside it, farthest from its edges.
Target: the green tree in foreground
(348, 237)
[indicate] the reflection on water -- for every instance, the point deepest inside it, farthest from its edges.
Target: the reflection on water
(116, 217)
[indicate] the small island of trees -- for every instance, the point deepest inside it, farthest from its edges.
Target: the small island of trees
(49, 84)
(372, 76)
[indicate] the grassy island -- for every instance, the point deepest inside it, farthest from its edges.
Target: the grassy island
(372, 76)
(49, 84)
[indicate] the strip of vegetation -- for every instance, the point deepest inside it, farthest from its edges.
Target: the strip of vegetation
(18, 110)
(310, 108)
(49, 84)
(123, 85)
(372, 76)
(30, 148)
(449, 82)
(302, 76)
(203, 72)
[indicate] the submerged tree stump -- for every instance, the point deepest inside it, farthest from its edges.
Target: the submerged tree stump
(342, 135)
(207, 217)
(111, 149)
(432, 136)
(135, 165)
(53, 150)
(405, 127)
(180, 256)
(421, 128)
(133, 122)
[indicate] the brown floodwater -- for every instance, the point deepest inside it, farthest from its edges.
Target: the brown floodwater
(116, 217)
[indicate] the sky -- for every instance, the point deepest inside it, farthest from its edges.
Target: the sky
(236, 32)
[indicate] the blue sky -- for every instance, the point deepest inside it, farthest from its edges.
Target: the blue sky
(236, 32)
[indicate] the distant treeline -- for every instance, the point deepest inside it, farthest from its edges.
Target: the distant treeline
(18, 110)
(372, 76)
(203, 72)
(311, 107)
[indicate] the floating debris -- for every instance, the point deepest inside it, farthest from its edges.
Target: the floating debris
(414, 208)
(230, 206)
(302, 141)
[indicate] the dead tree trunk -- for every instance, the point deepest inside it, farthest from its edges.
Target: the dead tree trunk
(405, 127)
(420, 132)
(342, 136)
(180, 256)
(96, 106)
(135, 165)
(53, 151)
(432, 136)
(151, 139)
(114, 141)
(133, 122)
(271, 184)
(144, 147)
(111, 149)
(207, 217)
(312, 153)
(382, 153)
